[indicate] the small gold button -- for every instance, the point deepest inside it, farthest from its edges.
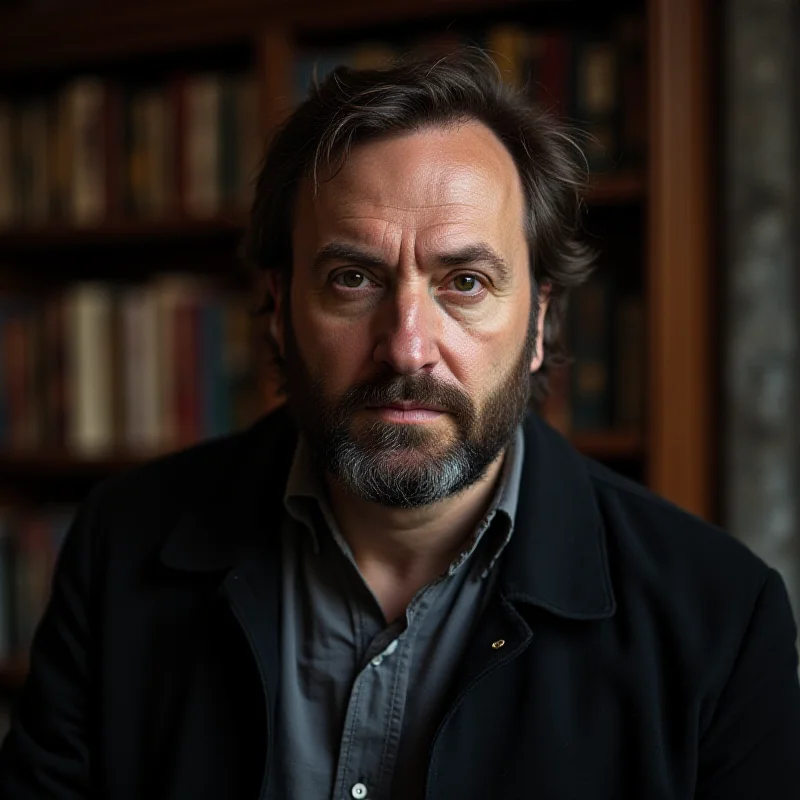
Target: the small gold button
(498, 644)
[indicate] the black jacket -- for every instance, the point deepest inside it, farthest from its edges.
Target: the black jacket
(647, 654)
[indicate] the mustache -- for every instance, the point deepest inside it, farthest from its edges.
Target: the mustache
(423, 389)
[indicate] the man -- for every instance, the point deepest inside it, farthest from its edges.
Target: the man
(403, 586)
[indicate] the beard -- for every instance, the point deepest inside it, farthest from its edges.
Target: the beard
(406, 465)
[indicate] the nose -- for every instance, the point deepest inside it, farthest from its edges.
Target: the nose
(407, 340)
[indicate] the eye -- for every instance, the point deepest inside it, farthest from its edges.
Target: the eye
(467, 284)
(351, 279)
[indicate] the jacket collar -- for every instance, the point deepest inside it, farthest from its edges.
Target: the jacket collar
(556, 558)
(230, 515)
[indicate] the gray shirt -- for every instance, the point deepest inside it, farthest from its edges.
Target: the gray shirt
(360, 699)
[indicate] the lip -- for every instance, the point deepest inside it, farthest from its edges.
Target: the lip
(410, 405)
(407, 413)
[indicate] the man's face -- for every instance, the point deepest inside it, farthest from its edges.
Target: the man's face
(410, 335)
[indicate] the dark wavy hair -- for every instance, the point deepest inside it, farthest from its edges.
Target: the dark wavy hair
(350, 107)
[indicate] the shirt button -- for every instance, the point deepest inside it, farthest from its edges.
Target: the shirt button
(359, 791)
(376, 662)
(390, 649)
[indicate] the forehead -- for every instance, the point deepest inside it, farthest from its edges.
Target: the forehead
(455, 181)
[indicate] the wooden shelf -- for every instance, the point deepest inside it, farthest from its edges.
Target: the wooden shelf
(73, 37)
(58, 236)
(38, 47)
(610, 444)
(614, 188)
(54, 464)
(66, 38)
(625, 187)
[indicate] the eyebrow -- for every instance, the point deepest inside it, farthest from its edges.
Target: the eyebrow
(479, 253)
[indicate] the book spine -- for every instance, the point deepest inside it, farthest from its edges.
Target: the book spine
(156, 136)
(507, 45)
(630, 363)
(591, 347)
(63, 168)
(114, 148)
(176, 145)
(249, 141)
(14, 357)
(7, 193)
(596, 98)
(228, 143)
(149, 391)
(202, 146)
(90, 355)
(87, 102)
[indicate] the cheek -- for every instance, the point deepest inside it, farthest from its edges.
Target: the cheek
(480, 357)
(333, 349)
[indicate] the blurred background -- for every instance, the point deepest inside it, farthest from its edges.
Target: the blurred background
(130, 134)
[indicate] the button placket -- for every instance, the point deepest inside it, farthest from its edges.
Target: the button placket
(378, 660)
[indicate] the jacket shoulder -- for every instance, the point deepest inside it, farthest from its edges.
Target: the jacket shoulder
(145, 502)
(661, 532)
(688, 577)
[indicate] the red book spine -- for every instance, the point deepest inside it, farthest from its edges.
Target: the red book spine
(186, 380)
(15, 364)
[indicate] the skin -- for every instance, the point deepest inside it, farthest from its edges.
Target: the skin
(399, 205)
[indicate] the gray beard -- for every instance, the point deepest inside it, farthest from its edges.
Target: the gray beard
(368, 470)
(366, 464)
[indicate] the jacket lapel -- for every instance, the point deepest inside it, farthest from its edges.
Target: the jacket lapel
(234, 529)
(556, 560)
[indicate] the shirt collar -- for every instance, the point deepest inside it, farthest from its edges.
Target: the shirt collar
(557, 559)
(305, 491)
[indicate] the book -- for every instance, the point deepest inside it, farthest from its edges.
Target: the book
(590, 328)
(89, 354)
(85, 100)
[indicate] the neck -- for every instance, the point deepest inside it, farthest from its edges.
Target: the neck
(400, 550)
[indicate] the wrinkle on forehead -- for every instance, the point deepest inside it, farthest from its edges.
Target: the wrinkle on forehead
(428, 169)
(453, 184)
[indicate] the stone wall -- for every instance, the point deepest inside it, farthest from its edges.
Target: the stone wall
(760, 277)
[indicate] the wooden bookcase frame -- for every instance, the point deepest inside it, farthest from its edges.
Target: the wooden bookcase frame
(678, 442)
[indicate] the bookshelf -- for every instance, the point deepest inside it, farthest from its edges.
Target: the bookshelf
(58, 236)
(652, 215)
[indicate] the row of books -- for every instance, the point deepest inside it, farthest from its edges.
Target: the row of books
(95, 150)
(29, 545)
(603, 385)
(101, 368)
(595, 80)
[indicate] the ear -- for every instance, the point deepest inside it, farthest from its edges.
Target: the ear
(544, 302)
(274, 286)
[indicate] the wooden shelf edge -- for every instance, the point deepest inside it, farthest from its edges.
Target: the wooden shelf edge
(32, 40)
(59, 464)
(604, 190)
(58, 235)
(609, 444)
(73, 37)
(626, 186)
